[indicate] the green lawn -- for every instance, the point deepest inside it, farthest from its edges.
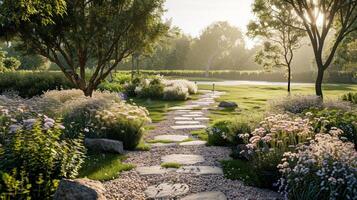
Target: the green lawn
(159, 108)
(252, 99)
(104, 167)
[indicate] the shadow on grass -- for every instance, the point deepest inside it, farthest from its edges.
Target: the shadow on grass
(102, 167)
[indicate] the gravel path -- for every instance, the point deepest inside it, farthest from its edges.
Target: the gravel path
(131, 185)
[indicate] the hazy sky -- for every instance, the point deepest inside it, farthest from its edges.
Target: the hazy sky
(192, 16)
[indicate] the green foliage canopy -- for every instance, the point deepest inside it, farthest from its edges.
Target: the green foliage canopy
(100, 33)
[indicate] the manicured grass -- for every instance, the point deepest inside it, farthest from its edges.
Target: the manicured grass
(160, 141)
(171, 165)
(142, 146)
(252, 99)
(159, 108)
(104, 167)
(200, 134)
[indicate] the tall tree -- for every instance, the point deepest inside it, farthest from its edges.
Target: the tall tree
(319, 18)
(216, 41)
(103, 32)
(281, 41)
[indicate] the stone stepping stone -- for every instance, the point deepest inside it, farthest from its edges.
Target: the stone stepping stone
(196, 113)
(193, 115)
(183, 118)
(187, 122)
(206, 196)
(182, 127)
(166, 190)
(200, 170)
(201, 118)
(187, 107)
(193, 143)
(184, 159)
(153, 170)
(173, 138)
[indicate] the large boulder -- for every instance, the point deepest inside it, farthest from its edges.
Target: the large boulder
(104, 145)
(228, 104)
(80, 189)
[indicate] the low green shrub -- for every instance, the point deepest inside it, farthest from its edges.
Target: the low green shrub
(227, 133)
(350, 97)
(325, 169)
(35, 157)
(327, 119)
(29, 84)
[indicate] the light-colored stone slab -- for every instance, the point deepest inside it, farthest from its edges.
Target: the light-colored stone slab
(193, 115)
(206, 196)
(192, 127)
(200, 170)
(166, 190)
(173, 138)
(187, 107)
(201, 118)
(193, 143)
(187, 122)
(185, 159)
(153, 170)
(183, 118)
(196, 113)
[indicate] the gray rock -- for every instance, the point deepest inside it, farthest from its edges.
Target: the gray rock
(166, 191)
(227, 104)
(104, 145)
(206, 196)
(80, 189)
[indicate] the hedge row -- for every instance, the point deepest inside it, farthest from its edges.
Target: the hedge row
(28, 84)
(306, 77)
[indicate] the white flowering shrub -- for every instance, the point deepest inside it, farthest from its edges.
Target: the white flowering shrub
(191, 86)
(325, 169)
(176, 92)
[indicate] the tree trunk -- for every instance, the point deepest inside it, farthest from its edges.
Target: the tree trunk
(289, 79)
(318, 84)
(88, 92)
(132, 67)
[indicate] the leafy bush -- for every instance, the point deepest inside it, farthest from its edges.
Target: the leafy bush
(8, 63)
(153, 89)
(299, 103)
(35, 157)
(40, 82)
(351, 97)
(177, 92)
(103, 115)
(227, 133)
(325, 169)
(325, 120)
(276, 135)
(191, 86)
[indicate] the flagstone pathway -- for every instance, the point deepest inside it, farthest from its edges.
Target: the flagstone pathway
(199, 176)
